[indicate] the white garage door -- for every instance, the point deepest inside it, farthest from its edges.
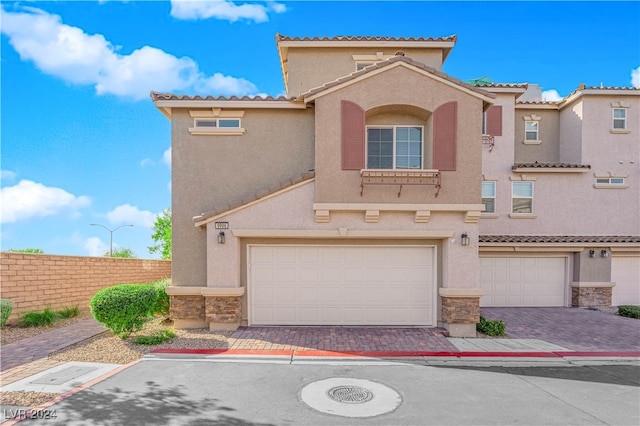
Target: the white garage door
(341, 285)
(522, 281)
(625, 272)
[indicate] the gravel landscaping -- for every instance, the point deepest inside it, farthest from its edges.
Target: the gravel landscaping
(105, 348)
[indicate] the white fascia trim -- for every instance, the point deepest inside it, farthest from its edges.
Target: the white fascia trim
(368, 43)
(167, 105)
(340, 233)
(370, 74)
(549, 170)
(606, 92)
(537, 106)
(503, 89)
(251, 203)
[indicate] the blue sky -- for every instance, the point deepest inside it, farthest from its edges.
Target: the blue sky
(82, 143)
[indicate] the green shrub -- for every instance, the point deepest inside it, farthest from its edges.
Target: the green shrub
(491, 327)
(6, 306)
(124, 308)
(155, 338)
(629, 311)
(69, 312)
(37, 318)
(161, 307)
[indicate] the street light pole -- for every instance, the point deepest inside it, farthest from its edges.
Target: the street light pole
(111, 231)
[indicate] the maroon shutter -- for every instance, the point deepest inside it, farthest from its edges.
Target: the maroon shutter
(494, 120)
(352, 136)
(445, 124)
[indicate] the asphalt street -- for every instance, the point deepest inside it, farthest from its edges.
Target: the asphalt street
(205, 392)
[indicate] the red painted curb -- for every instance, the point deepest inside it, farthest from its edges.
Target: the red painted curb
(393, 354)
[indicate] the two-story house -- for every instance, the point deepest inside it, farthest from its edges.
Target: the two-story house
(377, 193)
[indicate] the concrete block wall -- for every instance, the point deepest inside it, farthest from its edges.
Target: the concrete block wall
(34, 282)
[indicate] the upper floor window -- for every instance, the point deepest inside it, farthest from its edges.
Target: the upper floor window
(521, 197)
(397, 147)
(489, 196)
(619, 118)
(531, 130)
(219, 122)
(362, 65)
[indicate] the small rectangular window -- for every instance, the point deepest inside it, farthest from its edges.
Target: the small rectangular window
(610, 181)
(489, 196)
(531, 130)
(394, 147)
(205, 123)
(619, 118)
(228, 122)
(362, 65)
(522, 197)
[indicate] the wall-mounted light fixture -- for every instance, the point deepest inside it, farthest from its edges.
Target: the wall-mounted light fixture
(592, 253)
(464, 239)
(221, 237)
(604, 253)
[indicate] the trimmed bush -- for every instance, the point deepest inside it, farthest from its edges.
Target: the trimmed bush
(491, 327)
(6, 306)
(629, 311)
(155, 338)
(124, 308)
(161, 307)
(38, 319)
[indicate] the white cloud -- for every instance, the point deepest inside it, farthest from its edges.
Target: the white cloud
(166, 157)
(146, 162)
(128, 214)
(635, 78)
(223, 9)
(71, 54)
(7, 175)
(551, 95)
(95, 247)
(30, 199)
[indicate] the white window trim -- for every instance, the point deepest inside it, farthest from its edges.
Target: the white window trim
(609, 177)
(493, 213)
(216, 114)
(394, 127)
(533, 118)
(624, 129)
(530, 215)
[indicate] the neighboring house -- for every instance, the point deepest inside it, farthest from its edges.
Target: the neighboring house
(359, 198)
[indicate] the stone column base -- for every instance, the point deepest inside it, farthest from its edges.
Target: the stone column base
(591, 295)
(461, 310)
(205, 307)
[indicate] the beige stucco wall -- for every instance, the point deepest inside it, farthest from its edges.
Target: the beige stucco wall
(568, 203)
(312, 67)
(293, 210)
(336, 185)
(548, 151)
(210, 172)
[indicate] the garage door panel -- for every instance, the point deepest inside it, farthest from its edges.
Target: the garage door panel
(625, 272)
(342, 285)
(525, 281)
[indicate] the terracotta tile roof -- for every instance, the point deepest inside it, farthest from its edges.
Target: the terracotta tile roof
(582, 88)
(568, 239)
(155, 96)
(260, 194)
(536, 165)
(280, 37)
(538, 102)
(388, 62)
(503, 85)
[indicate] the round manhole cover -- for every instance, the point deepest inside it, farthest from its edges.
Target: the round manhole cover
(349, 397)
(350, 394)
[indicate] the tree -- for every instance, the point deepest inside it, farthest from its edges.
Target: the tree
(162, 235)
(124, 252)
(27, 250)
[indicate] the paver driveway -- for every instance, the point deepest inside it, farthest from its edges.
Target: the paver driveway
(573, 328)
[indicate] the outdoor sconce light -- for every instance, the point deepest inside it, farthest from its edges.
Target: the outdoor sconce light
(604, 253)
(221, 237)
(592, 253)
(464, 239)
